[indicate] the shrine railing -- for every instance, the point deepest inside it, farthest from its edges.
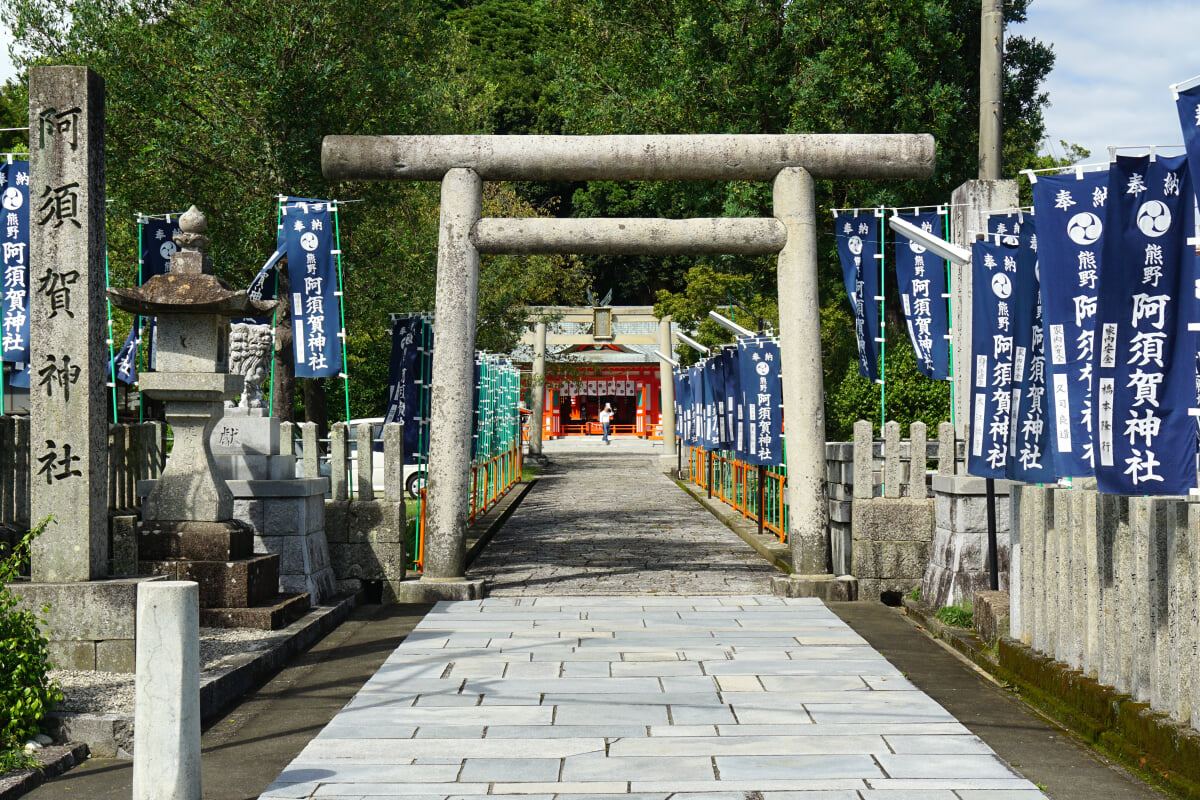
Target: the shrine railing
(490, 481)
(757, 492)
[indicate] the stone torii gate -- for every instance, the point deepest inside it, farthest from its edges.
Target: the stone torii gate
(462, 163)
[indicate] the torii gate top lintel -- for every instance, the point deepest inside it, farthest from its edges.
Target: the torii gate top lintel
(642, 157)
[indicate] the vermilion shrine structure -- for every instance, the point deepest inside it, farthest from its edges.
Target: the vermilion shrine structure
(462, 163)
(583, 357)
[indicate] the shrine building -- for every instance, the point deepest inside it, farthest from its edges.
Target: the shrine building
(596, 355)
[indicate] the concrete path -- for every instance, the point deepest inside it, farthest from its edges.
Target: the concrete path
(583, 698)
(606, 520)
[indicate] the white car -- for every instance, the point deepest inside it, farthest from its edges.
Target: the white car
(414, 474)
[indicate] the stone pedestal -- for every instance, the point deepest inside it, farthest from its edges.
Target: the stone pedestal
(431, 590)
(286, 514)
(958, 561)
(90, 625)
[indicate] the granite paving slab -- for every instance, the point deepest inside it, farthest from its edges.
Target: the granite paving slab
(450, 715)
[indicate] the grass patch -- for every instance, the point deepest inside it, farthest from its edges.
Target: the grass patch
(16, 759)
(530, 472)
(915, 594)
(960, 616)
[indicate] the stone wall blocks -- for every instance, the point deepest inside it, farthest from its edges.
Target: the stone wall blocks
(893, 519)
(873, 559)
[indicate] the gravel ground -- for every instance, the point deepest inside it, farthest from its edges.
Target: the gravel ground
(112, 692)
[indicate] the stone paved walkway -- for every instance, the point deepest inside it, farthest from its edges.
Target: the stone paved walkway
(716, 691)
(607, 521)
(707, 698)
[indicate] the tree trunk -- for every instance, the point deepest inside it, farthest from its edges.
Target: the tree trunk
(315, 408)
(284, 378)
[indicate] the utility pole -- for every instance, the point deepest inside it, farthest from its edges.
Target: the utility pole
(991, 116)
(991, 89)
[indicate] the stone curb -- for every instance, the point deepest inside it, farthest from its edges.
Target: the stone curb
(1146, 742)
(768, 546)
(55, 760)
(111, 735)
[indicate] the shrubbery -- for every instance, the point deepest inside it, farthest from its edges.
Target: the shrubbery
(26, 693)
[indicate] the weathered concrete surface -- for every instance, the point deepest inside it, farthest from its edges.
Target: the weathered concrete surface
(991, 614)
(453, 370)
(800, 354)
(666, 346)
(166, 734)
(970, 205)
(616, 158)
(609, 523)
(538, 390)
(67, 324)
(631, 236)
(90, 624)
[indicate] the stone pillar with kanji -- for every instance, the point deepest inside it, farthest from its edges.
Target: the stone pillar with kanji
(68, 324)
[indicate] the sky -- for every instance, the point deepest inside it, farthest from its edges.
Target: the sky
(1115, 60)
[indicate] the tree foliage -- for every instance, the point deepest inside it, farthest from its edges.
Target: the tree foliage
(225, 105)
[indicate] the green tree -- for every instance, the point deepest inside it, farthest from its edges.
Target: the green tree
(225, 106)
(785, 66)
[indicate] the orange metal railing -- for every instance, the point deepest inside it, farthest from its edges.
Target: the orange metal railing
(490, 481)
(746, 487)
(595, 429)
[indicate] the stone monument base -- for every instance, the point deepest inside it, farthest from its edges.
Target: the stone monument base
(237, 587)
(424, 590)
(825, 587)
(91, 625)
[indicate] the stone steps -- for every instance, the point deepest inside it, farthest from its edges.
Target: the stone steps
(278, 612)
(198, 541)
(224, 584)
(238, 588)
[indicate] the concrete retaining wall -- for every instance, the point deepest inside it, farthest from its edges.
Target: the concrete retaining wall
(1107, 585)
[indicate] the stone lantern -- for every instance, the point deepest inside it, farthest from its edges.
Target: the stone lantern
(193, 309)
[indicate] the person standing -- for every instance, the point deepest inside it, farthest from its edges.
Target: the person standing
(606, 416)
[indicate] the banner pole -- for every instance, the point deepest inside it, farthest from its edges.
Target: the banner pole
(337, 234)
(140, 279)
(275, 313)
(882, 323)
(945, 212)
(112, 367)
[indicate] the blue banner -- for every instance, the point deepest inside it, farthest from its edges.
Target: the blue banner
(1031, 448)
(857, 246)
(1007, 226)
(921, 277)
(14, 288)
(312, 272)
(19, 377)
(1188, 105)
(404, 375)
(715, 437)
(732, 395)
(683, 401)
(993, 269)
(158, 245)
(124, 364)
(762, 393)
(1070, 213)
(1145, 355)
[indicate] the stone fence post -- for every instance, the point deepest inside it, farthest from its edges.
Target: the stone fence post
(166, 733)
